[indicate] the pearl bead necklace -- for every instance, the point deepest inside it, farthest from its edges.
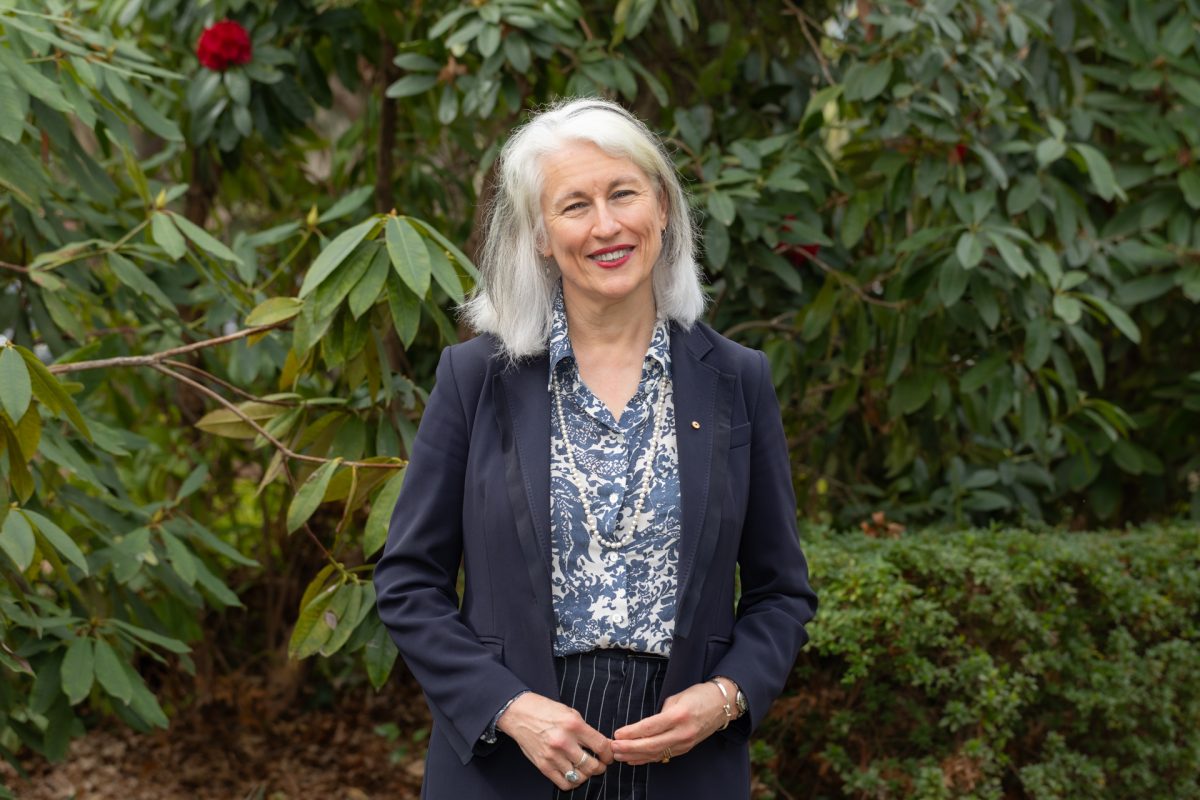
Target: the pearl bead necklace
(660, 424)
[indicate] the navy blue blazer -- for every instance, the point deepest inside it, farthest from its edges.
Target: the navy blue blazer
(477, 493)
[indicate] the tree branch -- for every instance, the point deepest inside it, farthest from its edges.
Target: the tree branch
(158, 362)
(152, 359)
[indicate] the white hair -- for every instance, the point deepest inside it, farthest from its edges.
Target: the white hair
(514, 299)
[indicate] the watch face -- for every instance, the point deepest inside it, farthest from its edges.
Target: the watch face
(741, 702)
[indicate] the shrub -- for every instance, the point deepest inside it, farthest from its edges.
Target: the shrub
(997, 663)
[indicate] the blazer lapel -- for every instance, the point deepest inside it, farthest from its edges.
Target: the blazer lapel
(703, 401)
(523, 414)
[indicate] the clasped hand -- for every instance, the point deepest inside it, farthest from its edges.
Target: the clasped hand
(555, 738)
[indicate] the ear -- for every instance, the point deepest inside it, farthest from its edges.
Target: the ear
(664, 208)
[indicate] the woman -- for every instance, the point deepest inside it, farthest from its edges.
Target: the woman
(599, 463)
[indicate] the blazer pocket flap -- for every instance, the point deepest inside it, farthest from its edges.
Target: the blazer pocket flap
(714, 650)
(493, 643)
(739, 435)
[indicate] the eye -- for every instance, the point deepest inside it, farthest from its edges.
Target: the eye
(621, 194)
(574, 207)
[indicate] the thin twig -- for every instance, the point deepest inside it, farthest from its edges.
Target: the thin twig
(151, 359)
(14, 267)
(775, 323)
(843, 279)
(227, 385)
(283, 448)
(805, 20)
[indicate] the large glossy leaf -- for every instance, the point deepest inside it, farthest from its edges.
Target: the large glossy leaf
(16, 390)
(16, 539)
(1101, 172)
(443, 272)
(410, 257)
(369, 288)
(110, 672)
(376, 530)
(310, 495)
(58, 538)
(334, 254)
(379, 654)
(167, 235)
(405, 310)
(311, 630)
(231, 424)
(203, 239)
(273, 310)
(78, 669)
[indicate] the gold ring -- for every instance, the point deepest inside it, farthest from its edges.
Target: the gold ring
(582, 759)
(666, 756)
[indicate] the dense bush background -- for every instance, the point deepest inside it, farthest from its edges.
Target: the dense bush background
(996, 663)
(964, 232)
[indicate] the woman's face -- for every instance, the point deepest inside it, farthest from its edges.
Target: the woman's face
(604, 219)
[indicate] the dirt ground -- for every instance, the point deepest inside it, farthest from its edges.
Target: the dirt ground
(363, 749)
(239, 744)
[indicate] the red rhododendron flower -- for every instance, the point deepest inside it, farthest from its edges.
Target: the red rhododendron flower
(223, 45)
(796, 253)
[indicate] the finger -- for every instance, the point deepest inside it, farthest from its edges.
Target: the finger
(589, 760)
(642, 751)
(653, 725)
(557, 773)
(559, 780)
(596, 742)
(589, 766)
(658, 756)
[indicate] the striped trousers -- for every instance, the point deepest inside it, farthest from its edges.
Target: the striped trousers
(611, 689)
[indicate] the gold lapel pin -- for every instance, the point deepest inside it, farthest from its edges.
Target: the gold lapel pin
(695, 424)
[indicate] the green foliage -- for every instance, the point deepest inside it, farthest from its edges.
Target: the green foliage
(1001, 189)
(122, 526)
(996, 663)
(962, 231)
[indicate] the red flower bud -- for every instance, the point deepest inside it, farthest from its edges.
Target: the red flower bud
(957, 153)
(226, 44)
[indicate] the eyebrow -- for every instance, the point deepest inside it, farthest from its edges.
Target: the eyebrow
(614, 183)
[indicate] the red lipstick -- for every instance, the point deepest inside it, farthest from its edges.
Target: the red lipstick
(612, 263)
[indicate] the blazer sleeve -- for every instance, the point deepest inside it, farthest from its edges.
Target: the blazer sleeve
(776, 600)
(416, 578)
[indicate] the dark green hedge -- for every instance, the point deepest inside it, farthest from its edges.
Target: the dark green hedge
(996, 664)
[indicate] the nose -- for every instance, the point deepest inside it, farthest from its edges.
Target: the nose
(606, 225)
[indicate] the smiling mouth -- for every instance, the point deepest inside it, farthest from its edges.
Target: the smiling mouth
(612, 256)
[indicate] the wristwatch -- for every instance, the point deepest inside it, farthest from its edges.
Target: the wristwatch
(740, 699)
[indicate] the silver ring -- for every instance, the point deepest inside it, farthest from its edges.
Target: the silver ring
(572, 776)
(586, 755)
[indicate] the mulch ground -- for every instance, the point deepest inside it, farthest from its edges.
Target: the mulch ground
(232, 748)
(240, 743)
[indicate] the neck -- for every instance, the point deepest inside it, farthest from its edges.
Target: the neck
(622, 327)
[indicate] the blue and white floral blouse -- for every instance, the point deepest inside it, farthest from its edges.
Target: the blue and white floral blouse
(606, 596)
